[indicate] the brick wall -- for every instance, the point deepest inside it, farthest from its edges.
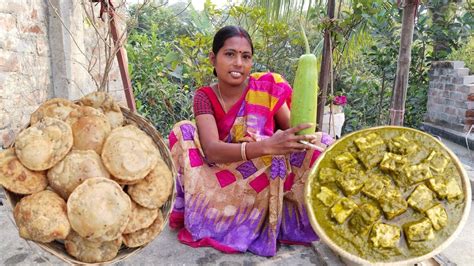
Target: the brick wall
(48, 49)
(451, 96)
(24, 64)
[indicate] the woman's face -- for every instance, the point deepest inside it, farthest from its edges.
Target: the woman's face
(233, 61)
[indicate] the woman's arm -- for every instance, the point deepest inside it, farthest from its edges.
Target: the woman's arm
(282, 117)
(218, 151)
(282, 142)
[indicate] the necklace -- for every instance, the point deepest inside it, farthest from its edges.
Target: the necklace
(220, 98)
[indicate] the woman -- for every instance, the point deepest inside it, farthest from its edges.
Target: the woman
(241, 182)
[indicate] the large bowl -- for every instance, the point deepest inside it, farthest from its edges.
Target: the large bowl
(57, 248)
(324, 158)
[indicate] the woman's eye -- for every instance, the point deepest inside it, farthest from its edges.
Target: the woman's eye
(229, 54)
(247, 57)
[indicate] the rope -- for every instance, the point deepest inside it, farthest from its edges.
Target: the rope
(394, 112)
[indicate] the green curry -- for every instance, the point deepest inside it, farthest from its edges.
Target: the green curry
(387, 194)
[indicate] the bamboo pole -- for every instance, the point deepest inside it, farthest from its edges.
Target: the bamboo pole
(397, 109)
(324, 75)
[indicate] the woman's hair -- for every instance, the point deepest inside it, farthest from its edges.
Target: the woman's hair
(225, 33)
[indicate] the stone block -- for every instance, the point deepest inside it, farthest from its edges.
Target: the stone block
(436, 85)
(461, 72)
(470, 113)
(446, 94)
(9, 62)
(470, 97)
(444, 117)
(450, 110)
(446, 78)
(468, 80)
(464, 89)
(470, 105)
(458, 64)
(457, 80)
(447, 64)
(438, 100)
(460, 104)
(7, 22)
(438, 108)
(13, 7)
(449, 87)
(461, 112)
(469, 89)
(450, 102)
(458, 96)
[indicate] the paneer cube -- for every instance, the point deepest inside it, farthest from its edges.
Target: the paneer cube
(420, 230)
(437, 161)
(374, 186)
(422, 198)
(392, 203)
(446, 188)
(372, 157)
(352, 182)
(385, 235)
(328, 175)
(342, 209)
(453, 190)
(392, 161)
(346, 161)
(327, 196)
(437, 216)
(438, 185)
(368, 142)
(364, 217)
(417, 173)
(401, 145)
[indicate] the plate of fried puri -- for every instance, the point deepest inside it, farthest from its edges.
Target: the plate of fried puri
(88, 180)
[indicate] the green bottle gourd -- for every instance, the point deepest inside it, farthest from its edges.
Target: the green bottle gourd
(304, 100)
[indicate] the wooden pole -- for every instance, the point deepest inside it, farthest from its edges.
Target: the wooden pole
(123, 65)
(399, 94)
(106, 6)
(324, 74)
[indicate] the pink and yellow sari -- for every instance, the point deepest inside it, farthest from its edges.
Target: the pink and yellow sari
(248, 205)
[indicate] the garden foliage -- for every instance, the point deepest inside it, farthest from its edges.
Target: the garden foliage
(168, 53)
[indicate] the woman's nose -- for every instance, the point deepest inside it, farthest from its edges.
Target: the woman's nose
(238, 60)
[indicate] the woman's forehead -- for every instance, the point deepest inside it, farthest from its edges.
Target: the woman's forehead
(237, 43)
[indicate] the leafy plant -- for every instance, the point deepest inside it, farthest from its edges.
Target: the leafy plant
(465, 53)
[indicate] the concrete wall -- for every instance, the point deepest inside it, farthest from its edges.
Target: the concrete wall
(49, 48)
(451, 96)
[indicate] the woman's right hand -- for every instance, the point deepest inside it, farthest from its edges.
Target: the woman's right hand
(286, 141)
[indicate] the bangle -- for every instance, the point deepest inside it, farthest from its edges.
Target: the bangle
(242, 151)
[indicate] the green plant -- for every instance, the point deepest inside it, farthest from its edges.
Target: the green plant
(465, 53)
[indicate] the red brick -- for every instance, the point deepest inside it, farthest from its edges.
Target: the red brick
(470, 113)
(470, 97)
(34, 14)
(450, 110)
(469, 121)
(34, 29)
